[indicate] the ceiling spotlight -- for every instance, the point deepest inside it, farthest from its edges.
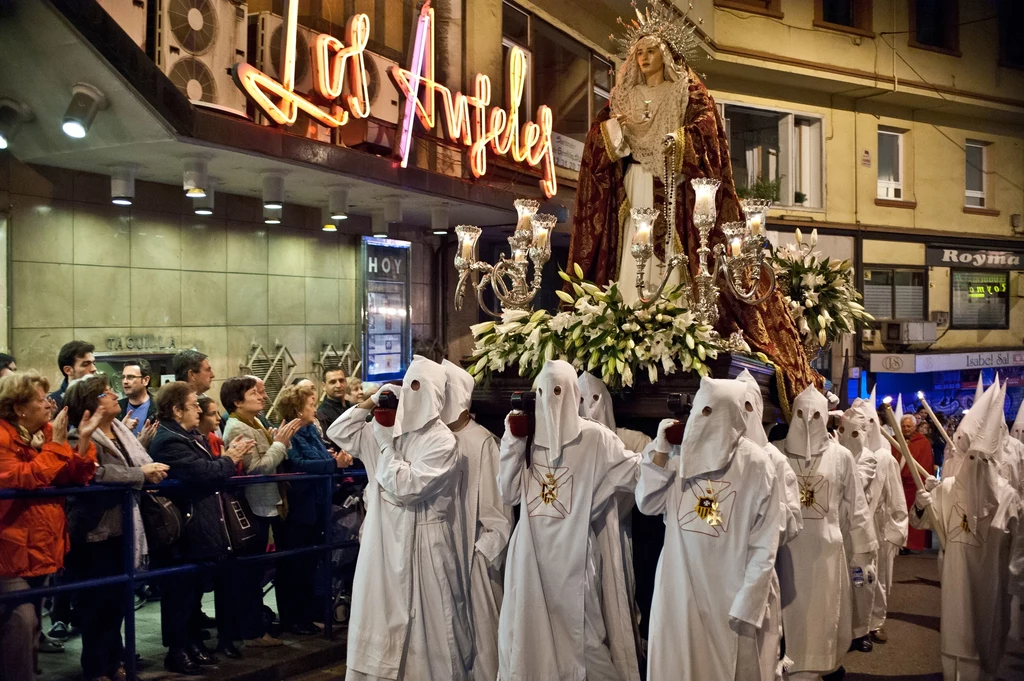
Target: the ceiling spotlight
(204, 204)
(12, 114)
(273, 191)
(338, 203)
(86, 101)
(271, 216)
(327, 221)
(122, 184)
(379, 224)
(393, 209)
(195, 178)
(439, 219)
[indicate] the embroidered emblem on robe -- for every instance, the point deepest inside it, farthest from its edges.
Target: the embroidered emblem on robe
(958, 530)
(703, 511)
(549, 492)
(813, 496)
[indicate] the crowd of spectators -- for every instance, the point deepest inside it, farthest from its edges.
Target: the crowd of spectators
(85, 433)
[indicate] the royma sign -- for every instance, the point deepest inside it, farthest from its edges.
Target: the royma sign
(339, 78)
(973, 258)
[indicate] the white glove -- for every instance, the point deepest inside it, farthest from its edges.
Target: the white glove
(383, 435)
(931, 482)
(866, 562)
(923, 499)
(661, 443)
(833, 400)
(386, 388)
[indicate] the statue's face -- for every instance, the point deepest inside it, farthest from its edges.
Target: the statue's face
(649, 57)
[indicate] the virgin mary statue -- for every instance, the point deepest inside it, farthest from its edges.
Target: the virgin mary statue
(656, 95)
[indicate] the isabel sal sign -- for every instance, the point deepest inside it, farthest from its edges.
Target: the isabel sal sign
(469, 120)
(937, 256)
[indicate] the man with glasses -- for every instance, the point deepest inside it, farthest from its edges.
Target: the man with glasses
(137, 405)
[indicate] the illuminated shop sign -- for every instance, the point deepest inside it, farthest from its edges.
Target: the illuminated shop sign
(338, 67)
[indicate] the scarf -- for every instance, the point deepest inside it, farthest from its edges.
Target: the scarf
(139, 457)
(281, 486)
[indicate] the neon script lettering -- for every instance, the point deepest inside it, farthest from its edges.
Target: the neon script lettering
(333, 62)
(498, 128)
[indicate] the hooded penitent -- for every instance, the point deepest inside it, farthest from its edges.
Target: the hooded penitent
(753, 428)
(978, 476)
(422, 395)
(458, 392)
(715, 425)
(595, 400)
(854, 431)
(808, 436)
(967, 430)
(557, 410)
(1018, 425)
(875, 440)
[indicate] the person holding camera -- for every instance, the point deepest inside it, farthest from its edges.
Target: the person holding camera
(94, 520)
(555, 622)
(488, 519)
(409, 600)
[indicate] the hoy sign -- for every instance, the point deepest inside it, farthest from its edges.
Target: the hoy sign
(339, 77)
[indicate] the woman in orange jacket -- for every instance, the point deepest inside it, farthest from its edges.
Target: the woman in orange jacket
(33, 535)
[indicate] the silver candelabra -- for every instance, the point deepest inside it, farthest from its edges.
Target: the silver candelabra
(509, 277)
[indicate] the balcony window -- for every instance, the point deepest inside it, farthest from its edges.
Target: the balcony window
(974, 194)
(890, 164)
(775, 155)
(849, 16)
(935, 25)
(1011, 47)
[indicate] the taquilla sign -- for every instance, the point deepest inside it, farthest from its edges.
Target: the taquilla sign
(937, 256)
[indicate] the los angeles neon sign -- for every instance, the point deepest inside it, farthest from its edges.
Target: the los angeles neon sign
(339, 77)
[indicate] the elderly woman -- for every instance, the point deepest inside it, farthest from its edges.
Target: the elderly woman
(179, 444)
(306, 502)
(94, 521)
(243, 397)
(33, 538)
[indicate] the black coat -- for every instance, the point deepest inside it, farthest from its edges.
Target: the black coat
(190, 461)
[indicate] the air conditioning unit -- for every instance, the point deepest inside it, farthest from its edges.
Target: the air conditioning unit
(266, 30)
(375, 134)
(198, 41)
(940, 317)
(908, 333)
(130, 15)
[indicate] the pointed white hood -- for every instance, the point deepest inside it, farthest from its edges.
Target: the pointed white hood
(978, 477)
(979, 389)
(875, 441)
(855, 430)
(595, 400)
(714, 428)
(808, 435)
(422, 395)
(458, 392)
(557, 412)
(752, 420)
(1018, 425)
(899, 409)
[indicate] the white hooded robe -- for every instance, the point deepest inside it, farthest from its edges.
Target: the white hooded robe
(409, 617)
(722, 510)
(814, 569)
(488, 521)
(552, 625)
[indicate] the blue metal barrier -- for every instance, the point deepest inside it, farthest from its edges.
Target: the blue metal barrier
(131, 578)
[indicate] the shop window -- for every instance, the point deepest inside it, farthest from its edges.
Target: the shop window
(852, 16)
(895, 293)
(890, 164)
(974, 194)
(1011, 47)
(935, 25)
(775, 155)
(979, 299)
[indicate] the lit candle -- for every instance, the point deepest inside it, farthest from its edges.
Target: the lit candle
(734, 247)
(643, 233)
(540, 238)
(519, 255)
(755, 224)
(467, 250)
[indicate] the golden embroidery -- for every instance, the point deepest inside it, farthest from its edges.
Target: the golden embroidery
(549, 489)
(964, 525)
(707, 508)
(806, 495)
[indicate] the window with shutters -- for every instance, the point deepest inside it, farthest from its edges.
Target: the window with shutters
(895, 293)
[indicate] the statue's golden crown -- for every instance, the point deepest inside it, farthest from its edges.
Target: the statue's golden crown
(663, 21)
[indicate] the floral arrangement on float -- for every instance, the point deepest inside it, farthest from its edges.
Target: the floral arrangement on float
(597, 332)
(820, 291)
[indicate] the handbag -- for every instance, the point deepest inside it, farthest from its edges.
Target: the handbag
(240, 521)
(161, 518)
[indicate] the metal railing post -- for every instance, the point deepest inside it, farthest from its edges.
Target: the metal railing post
(128, 539)
(328, 572)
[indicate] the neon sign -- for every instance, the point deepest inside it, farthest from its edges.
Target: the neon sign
(339, 77)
